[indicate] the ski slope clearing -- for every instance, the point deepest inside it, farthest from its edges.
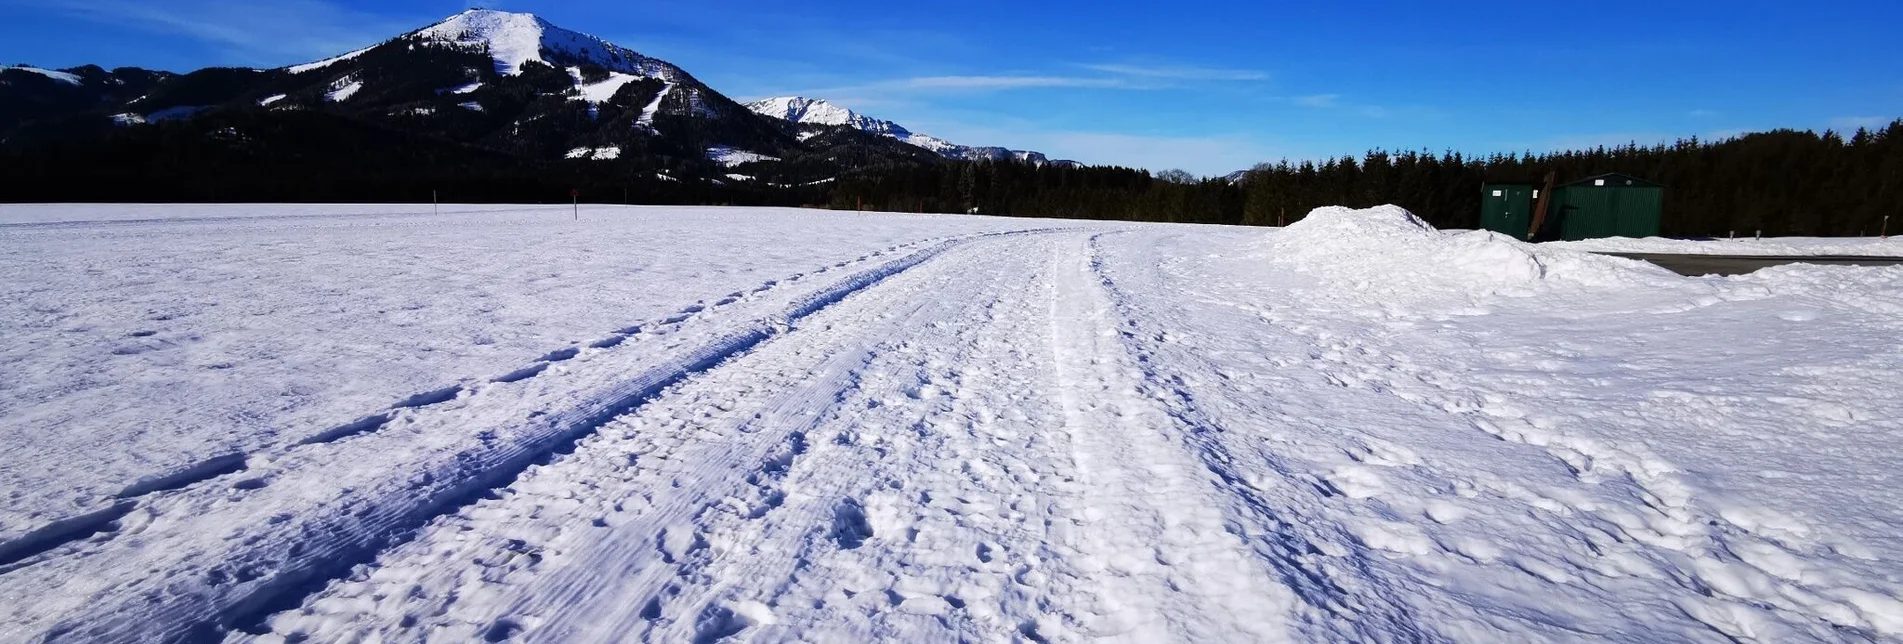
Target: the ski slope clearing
(655, 424)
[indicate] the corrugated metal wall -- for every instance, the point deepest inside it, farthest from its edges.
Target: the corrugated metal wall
(1589, 212)
(1641, 211)
(1506, 209)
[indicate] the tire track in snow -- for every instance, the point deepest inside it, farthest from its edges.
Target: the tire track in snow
(1171, 566)
(195, 590)
(744, 456)
(823, 511)
(22, 550)
(1366, 608)
(954, 529)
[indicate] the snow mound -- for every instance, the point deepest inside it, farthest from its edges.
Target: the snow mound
(1388, 248)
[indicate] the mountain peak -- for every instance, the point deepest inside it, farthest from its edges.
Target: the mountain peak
(818, 111)
(516, 39)
(512, 38)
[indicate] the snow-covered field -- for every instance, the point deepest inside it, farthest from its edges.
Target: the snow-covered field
(371, 423)
(1769, 246)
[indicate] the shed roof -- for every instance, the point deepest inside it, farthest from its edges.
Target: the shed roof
(1614, 179)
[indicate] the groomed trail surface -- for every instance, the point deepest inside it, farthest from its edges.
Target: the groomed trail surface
(968, 429)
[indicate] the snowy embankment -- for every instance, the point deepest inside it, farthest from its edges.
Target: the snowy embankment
(696, 424)
(1770, 246)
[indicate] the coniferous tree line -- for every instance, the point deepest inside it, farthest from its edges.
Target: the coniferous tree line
(1784, 182)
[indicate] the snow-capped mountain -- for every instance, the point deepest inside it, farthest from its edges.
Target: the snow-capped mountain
(513, 40)
(808, 111)
(820, 112)
(506, 88)
(522, 45)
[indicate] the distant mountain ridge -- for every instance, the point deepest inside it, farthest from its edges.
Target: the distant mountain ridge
(813, 111)
(503, 83)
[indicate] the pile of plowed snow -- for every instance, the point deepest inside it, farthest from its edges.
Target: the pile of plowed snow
(1388, 249)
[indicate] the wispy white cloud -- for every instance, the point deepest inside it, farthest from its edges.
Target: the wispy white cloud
(1011, 82)
(1180, 72)
(1334, 102)
(266, 33)
(1112, 76)
(1317, 100)
(974, 85)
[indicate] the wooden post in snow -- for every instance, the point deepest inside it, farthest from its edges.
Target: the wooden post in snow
(1539, 212)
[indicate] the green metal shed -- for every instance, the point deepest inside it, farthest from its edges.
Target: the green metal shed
(1608, 205)
(1507, 208)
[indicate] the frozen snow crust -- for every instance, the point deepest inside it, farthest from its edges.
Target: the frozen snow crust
(496, 423)
(1875, 247)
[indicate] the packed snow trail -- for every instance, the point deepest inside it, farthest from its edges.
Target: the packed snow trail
(829, 521)
(218, 551)
(139, 343)
(1065, 432)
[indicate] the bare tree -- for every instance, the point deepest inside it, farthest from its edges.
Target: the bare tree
(1177, 176)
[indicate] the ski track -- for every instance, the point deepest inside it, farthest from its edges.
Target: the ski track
(257, 564)
(54, 533)
(682, 523)
(1044, 435)
(1278, 527)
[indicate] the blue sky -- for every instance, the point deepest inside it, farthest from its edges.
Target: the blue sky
(1209, 87)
